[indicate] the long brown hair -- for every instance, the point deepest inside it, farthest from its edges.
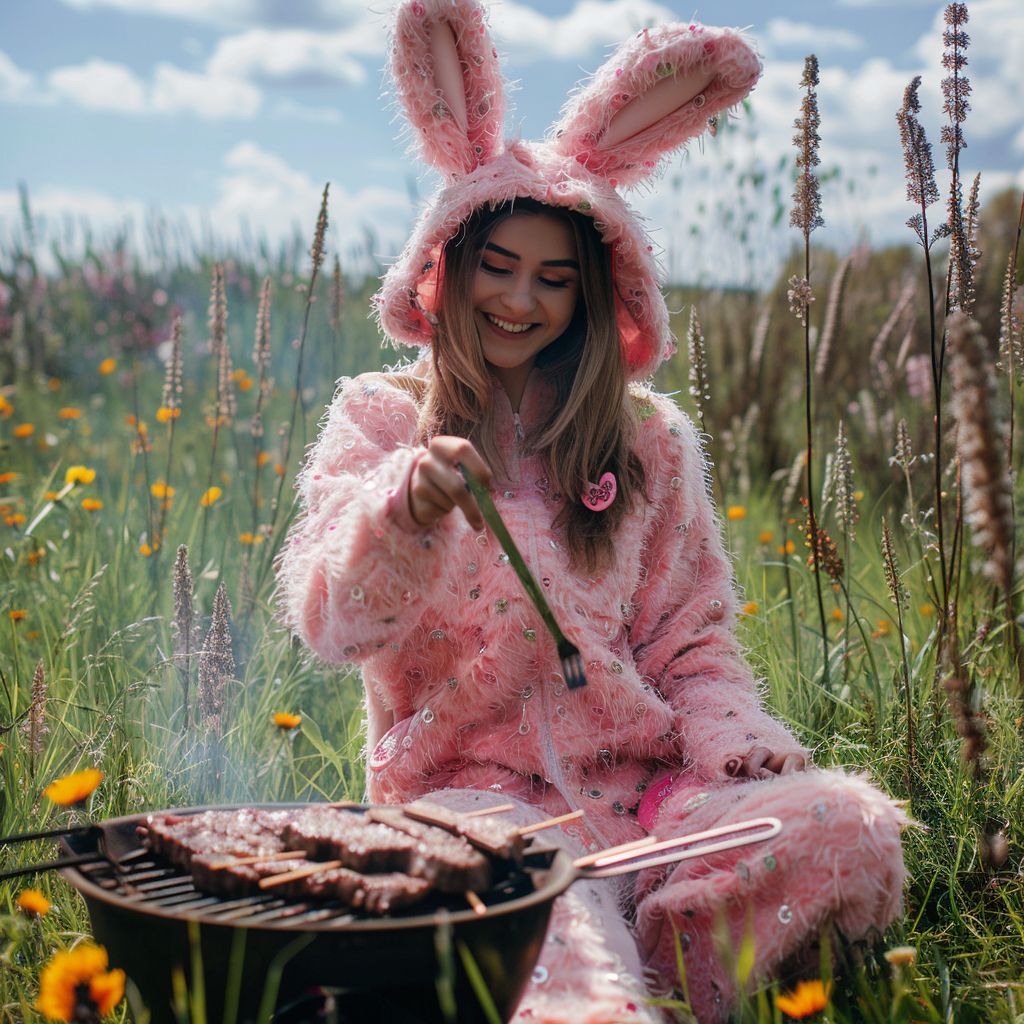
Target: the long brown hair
(590, 428)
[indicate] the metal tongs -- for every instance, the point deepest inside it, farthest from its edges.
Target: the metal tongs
(568, 652)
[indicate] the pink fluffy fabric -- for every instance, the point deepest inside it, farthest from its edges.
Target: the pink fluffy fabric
(571, 170)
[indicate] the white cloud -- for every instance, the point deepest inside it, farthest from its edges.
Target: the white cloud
(237, 13)
(589, 26)
(100, 85)
(289, 109)
(208, 95)
(291, 53)
(14, 83)
(783, 34)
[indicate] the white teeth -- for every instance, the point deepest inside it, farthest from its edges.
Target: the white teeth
(506, 326)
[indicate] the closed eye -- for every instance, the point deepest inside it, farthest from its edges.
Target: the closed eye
(491, 269)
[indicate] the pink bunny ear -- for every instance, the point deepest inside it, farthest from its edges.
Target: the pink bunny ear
(665, 82)
(448, 82)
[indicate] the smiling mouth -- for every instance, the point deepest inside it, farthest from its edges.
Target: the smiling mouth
(507, 325)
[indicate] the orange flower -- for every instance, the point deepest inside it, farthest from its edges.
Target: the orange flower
(79, 977)
(18, 614)
(210, 496)
(53, 384)
(263, 458)
(163, 414)
(33, 902)
(765, 537)
(72, 789)
(34, 556)
(145, 549)
(130, 420)
(24, 430)
(79, 475)
(238, 374)
(14, 520)
(69, 413)
(245, 383)
(285, 721)
(92, 504)
(50, 496)
(751, 608)
(927, 609)
(808, 997)
(5, 407)
(245, 538)
(736, 512)
(837, 614)
(161, 490)
(107, 366)
(787, 549)
(278, 469)
(6, 478)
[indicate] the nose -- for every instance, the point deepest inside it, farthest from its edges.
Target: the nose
(519, 298)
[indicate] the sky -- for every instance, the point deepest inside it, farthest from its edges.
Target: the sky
(224, 119)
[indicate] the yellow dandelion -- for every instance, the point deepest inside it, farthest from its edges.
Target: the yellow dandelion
(901, 956)
(751, 608)
(76, 985)
(258, 538)
(70, 413)
(145, 549)
(161, 490)
(79, 475)
(18, 614)
(245, 383)
(109, 365)
(736, 512)
(211, 495)
(163, 414)
(808, 997)
(92, 504)
(73, 789)
(285, 721)
(32, 902)
(6, 478)
(24, 430)
(238, 374)
(765, 537)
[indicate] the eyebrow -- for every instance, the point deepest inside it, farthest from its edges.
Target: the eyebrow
(574, 264)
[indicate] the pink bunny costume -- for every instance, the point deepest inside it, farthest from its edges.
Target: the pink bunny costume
(464, 695)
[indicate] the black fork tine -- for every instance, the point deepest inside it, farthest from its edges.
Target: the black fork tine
(572, 665)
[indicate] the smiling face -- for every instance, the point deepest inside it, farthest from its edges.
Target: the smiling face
(524, 293)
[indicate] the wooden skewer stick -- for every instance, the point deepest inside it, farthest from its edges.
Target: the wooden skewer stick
(288, 876)
(528, 830)
(489, 810)
(476, 903)
(343, 803)
(593, 858)
(237, 862)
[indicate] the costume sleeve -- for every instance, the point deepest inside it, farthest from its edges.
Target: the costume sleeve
(684, 612)
(356, 569)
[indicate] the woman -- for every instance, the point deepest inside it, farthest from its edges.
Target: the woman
(531, 291)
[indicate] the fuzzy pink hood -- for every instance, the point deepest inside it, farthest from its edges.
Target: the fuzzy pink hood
(461, 136)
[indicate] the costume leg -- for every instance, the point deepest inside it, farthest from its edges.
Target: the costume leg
(837, 861)
(589, 971)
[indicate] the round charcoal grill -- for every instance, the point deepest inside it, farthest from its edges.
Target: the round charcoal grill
(381, 969)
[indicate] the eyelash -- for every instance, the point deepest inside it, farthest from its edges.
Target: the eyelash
(500, 270)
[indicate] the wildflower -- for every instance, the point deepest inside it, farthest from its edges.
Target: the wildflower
(858, 495)
(837, 614)
(186, 628)
(76, 985)
(337, 295)
(751, 608)
(700, 387)
(73, 789)
(824, 552)
(18, 614)
(846, 506)
(245, 383)
(765, 537)
(6, 409)
(927, 610)
(16, 519)
(70, 413)
(107, 366)
(130, 420)
(50, 496)
(884, 628)
(161, 490)
(808, 997)
(262, 459)
(6, 478)
(800, 298)
(163, 414)
(901, 956)
(92, 504)
(53, 384)
(79, 475)
(285, 721)
(278, 469)
(210, 496)
(317, 251)
(145, 550)
(736, 512)
(24, 430)
(32, 902)
(786, 549)
(34, 556)
(238, 375)
(216, 662)
(245, 538)
(920, 173)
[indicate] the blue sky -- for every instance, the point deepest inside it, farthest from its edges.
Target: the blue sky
(215, 111)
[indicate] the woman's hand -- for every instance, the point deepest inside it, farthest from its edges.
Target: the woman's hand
(436, 486)
(762, 763)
